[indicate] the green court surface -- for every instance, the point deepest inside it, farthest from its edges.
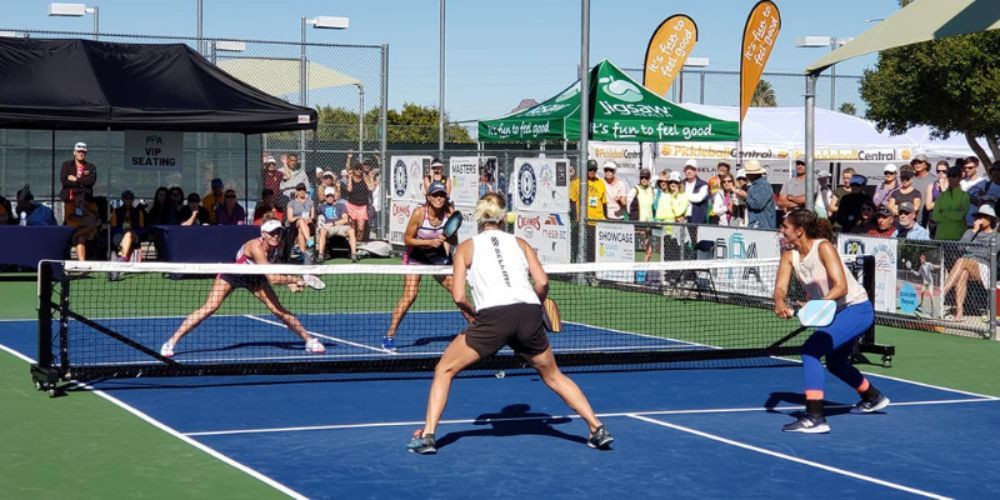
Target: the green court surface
(84, 446)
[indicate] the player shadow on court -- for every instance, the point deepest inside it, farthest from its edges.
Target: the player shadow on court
(291, 345)
(514, 420)
(799, 399)
(422, 341)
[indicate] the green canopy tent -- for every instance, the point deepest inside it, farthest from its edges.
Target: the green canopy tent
(621, 110)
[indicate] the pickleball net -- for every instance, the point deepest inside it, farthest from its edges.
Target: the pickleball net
(622, 315)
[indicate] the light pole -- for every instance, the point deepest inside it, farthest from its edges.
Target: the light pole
(826, 41)
(77, 10)
(199, 29)
(692, 62)
(320, 22)
(361, 119)
(441, 30)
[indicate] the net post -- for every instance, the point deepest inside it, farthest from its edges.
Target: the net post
(63, 323)
(867, 343)
(43, 372)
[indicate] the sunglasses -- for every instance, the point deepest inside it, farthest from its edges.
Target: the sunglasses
(889, 173)
(945, 172)
(970, 167)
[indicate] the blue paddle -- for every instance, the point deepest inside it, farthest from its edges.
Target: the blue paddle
(817, 313)
(453, 223)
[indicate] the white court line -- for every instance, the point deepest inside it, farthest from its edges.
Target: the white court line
(369, 425)
(177, 434)
(810, 463)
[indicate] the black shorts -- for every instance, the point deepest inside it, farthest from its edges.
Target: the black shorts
(252, 282)
(517, 325)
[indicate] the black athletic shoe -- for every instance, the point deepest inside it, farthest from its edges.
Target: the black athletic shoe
(424, 445)
(600, 439)
(874, 405)
(807, 424)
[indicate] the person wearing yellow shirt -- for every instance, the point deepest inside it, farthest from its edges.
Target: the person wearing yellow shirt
(671, 202)
(574, 193)
(597, 197)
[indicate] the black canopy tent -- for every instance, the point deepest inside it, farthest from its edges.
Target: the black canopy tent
(87, 85)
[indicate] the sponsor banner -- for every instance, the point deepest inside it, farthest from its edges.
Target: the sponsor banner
(148, 150)
(733, 243)
(886, 255)
(671, 156)
(464, 179)
(408, 177)
(759, 35)
(668, 49)
(614, 243)
(399, 216)
(540, 185)
(468, 228)
(547, 233)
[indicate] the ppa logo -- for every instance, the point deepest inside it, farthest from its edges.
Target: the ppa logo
(854, 247)
(399, 178)
(527, 184)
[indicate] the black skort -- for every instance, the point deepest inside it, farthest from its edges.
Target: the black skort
(517, 325)
(252, 282)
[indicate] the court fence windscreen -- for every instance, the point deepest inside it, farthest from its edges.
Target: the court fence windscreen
(614, 315)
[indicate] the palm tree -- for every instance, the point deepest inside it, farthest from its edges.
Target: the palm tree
(763, 96)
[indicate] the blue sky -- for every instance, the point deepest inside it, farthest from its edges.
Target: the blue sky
(497, 51)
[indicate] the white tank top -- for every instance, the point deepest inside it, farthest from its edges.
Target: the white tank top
(812, 275)
(499, 271)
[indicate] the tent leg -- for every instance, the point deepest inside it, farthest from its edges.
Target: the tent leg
(52, 183)
(107, 146)
(810, 139)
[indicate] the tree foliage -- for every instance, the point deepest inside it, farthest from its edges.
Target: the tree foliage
(951, 85)
(763, 96)
(413, 124)
(848, 108)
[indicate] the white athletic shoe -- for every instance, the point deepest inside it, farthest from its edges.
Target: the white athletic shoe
(315, 346)
(167, 349)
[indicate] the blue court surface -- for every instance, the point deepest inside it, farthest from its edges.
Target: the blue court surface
(680, 432)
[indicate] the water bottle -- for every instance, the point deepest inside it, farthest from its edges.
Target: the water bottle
(24, 218)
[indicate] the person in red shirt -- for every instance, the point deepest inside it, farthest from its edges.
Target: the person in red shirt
(77, 173)
(885, 224)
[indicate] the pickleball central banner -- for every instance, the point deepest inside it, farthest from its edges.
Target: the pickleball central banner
(668, 49)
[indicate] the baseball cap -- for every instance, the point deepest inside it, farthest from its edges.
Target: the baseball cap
(329, 191)
(217, 182)
(889, 167)
(883, 211)
(270, 226)
(987, 211)
(691, 163)
(436, 163)
(823, 173)
(269, 159)
(300, 186)
(80, 146)
(906, 208)
(917, 158)
(591, 165)
(800, 160)
(741, 174)
(859, 180)
(437, 187)
(610, 165)
(645, 173)
(327, 174)
(674, 177)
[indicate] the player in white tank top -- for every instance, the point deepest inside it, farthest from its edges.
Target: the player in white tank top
(507, 311)
(817, 266)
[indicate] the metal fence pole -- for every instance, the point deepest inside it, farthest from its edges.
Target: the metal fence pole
(701, 91)
(584, 118)
(385, 166)
(993, 289)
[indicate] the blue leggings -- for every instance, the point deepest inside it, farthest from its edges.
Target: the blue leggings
(836, 342)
